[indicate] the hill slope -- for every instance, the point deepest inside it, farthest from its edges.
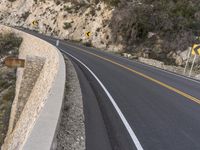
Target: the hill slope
(161, 29)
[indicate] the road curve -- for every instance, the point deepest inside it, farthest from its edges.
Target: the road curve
(129, 105)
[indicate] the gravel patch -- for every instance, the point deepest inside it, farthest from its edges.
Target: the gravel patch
(71, 133)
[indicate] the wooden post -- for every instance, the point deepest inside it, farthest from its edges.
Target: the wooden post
(188, 57)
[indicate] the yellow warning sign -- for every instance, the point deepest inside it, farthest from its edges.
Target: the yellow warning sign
(88, 34)
(196, 49)
(35, 22)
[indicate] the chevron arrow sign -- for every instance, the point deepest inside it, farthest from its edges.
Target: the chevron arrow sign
(35, 22)
(196, 49)
(88, 34)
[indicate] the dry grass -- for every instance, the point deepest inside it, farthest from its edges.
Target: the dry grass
(9, 45)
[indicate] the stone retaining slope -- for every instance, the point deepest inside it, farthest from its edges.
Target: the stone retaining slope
(39, 93)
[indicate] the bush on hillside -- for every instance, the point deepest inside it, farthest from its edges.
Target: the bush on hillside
(9, 42)
(175, 22)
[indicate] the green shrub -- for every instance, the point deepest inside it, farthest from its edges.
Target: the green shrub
(174, 22)
(9, 42)
(68, 9)
(67, 25)
(112, 2)
(25, 15)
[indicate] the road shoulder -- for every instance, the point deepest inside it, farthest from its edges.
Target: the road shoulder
(71, 133)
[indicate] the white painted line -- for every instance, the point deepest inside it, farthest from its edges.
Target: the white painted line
(153, 67)
(57, 43)
(125, 122)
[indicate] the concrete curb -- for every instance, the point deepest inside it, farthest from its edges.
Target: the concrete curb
(44, 131)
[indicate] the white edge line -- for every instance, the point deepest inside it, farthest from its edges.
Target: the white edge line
(153, 67)
(125, 122)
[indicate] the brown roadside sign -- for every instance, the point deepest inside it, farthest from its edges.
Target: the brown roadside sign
(13, 62)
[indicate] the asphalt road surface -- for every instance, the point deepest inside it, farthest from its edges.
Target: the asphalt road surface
(132, 106)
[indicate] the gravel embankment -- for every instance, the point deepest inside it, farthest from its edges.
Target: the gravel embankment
(71, 134)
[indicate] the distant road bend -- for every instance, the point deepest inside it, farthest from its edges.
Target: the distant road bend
(132, 106)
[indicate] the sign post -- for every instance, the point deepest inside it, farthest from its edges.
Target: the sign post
(188, 57)
(195, 56)
(195, 52)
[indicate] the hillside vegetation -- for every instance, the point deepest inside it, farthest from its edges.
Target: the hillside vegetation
(159, 25)
(160, 28)
(9, 45)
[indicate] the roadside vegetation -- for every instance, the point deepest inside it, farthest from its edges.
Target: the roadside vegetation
(9, 45)
(157, 26)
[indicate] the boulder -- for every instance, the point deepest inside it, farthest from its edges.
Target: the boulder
(127, 55)
(146, 52)
(171, 55)
(174, 55)
(151, 34)
(184, 54)
(197, 76)
(179, 61)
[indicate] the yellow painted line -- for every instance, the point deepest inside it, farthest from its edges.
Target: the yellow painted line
(144, 76)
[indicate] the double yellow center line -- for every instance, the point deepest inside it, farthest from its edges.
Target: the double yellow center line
(143, 75)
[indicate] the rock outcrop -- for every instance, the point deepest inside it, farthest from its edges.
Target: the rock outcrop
(67, 20)
(145, 29)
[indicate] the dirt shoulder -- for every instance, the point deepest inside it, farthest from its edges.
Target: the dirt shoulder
(71, 134)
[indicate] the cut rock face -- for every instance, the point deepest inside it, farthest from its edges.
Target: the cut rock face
(84, 16)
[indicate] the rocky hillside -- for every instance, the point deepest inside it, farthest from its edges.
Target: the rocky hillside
(157, 29)
(68, 20)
